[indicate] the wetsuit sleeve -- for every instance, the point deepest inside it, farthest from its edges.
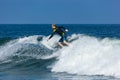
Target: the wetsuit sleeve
(52, 35)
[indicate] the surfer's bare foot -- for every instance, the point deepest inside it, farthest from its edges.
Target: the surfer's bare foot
(65, 42)
(60, 44)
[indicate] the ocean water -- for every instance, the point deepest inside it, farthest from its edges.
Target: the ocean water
(25, 53)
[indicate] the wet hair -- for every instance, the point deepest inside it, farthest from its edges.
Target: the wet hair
(54, 25)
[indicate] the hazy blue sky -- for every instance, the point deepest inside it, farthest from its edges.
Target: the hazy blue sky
(60, 11)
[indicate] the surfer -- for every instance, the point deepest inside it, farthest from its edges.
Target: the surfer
(62, 32)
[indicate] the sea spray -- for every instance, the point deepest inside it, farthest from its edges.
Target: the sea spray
(90, 56)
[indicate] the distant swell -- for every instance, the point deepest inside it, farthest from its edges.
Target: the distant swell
(86, 55)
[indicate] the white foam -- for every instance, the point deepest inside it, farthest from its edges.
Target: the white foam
(10, 48)
(85, 56)
(13, 46)
(90, 56)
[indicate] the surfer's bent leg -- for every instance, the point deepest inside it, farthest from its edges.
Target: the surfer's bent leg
(65, 41)
(60, 42)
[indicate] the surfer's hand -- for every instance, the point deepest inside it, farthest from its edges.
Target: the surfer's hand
(66, 30)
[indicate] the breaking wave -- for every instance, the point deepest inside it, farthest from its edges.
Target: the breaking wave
(86, 55)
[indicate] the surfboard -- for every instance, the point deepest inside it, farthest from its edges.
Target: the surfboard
(50, 44)
(70, 40)
(53, 42)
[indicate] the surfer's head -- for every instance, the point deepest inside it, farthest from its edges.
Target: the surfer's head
(54, 26)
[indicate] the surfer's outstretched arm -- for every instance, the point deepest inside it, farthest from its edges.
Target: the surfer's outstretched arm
(51, 35)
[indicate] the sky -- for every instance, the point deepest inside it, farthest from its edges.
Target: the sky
(60, 11)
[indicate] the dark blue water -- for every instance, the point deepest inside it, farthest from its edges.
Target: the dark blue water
(21, 30)
(22, 67)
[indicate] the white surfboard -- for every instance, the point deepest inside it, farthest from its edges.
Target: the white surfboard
(50, 44)
(53, 42)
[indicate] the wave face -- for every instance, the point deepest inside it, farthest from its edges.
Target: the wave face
(85, 56)
(26, 54)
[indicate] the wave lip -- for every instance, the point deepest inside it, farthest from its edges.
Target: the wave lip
(27, 46)
(25, 54)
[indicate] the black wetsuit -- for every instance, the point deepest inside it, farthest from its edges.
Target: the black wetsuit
(60, 31)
